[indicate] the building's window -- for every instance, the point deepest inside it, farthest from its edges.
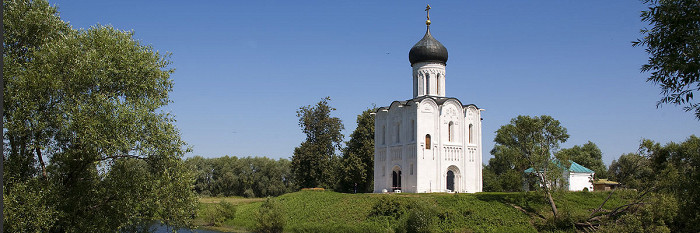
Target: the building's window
(427, 84)
(437, 84)
(451, 131)
(398, 132)
(411, 169)
(383, 134)
(427, 141)
(383, 171)
(413, 130)
(471, 136)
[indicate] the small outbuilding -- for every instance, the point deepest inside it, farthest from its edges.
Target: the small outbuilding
(577, 177)
(605, 185)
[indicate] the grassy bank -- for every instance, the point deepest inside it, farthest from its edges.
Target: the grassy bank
(326, 211)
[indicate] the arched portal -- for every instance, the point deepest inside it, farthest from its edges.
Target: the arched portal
(452, 179)
(396, 179)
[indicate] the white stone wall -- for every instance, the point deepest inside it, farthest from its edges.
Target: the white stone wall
(424, 169)
(579, 181)
(428, 79)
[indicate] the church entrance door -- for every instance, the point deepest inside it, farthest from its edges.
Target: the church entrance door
(450, 181)
(396, 180)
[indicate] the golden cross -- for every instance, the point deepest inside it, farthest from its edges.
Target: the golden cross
(427, 11)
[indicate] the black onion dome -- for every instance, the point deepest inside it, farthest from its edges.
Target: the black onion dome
(428, 49)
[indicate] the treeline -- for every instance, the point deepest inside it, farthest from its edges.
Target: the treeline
(320, 161)
(247, 177)
(666, 177)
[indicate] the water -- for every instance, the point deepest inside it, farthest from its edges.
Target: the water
(162, 228)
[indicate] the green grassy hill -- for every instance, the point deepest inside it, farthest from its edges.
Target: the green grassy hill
(327, 211)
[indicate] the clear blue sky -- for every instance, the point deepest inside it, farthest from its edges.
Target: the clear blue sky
(244, 68)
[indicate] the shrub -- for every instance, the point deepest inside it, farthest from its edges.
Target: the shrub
(388, 206)
(212, 215)
(249, 193)
(227, 210)
(270, 218)
(421, 218)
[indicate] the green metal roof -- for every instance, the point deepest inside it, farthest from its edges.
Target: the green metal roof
(575, 168)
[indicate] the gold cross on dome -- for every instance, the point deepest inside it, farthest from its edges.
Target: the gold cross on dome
(427, 11)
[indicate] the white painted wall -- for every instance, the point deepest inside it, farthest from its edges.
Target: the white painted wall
(579, 181)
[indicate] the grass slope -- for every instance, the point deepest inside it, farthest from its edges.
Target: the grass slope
(327, 211)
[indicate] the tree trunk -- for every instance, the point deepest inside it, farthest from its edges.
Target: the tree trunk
(41, 162)
(549, 194)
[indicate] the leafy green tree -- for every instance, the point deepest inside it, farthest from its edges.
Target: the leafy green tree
(248, 176)
(677, 172)
(588, 155)
(315, 161)
(357, 164)
(673, 45)
(86, 137)
(507, 170)
(534, 140)
(270, 217)
(631, 170)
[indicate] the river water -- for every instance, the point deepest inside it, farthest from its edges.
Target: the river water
(161, 228)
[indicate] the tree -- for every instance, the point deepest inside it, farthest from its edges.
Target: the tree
(588, 155)
(673, 45)
(357, 164)
(84, 130)
(677, 173)
(631, 170)
(314, 161)
(534, 140)
(507, 170)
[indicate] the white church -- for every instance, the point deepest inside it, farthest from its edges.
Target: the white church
(430, 143)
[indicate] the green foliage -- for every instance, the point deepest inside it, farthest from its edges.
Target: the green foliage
(357, 164)
(676, 173)
(324, 211)
(26, 208)
(247, 177)
(673, 45)
(84, 130)
(421, 219)
(315, 161)
(505, 170)
(631, 170)
(215, 215)
(652, 216)
(588, 155)
(270, 218)
(534, 141)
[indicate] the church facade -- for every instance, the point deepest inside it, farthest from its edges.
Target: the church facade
(430, 143)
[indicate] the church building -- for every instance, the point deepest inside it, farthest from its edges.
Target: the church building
(430, 143)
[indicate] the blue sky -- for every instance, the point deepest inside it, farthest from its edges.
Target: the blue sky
(244, 68)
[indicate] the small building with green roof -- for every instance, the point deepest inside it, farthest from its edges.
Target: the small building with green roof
(577, 177)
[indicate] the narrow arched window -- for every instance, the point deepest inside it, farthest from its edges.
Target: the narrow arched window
(451, 131)
(383, 134)
(398, 132)
(427, 141)
(413, 130)
(471, 133)
(437, 84)
(427, 84)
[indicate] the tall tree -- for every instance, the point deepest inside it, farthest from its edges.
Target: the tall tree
(588, 155)
(631, 170)
(85, 133)
(315, 161)
(673, 45)
(357, 164)
(677, 172)
(507, 170)
(534, 140)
